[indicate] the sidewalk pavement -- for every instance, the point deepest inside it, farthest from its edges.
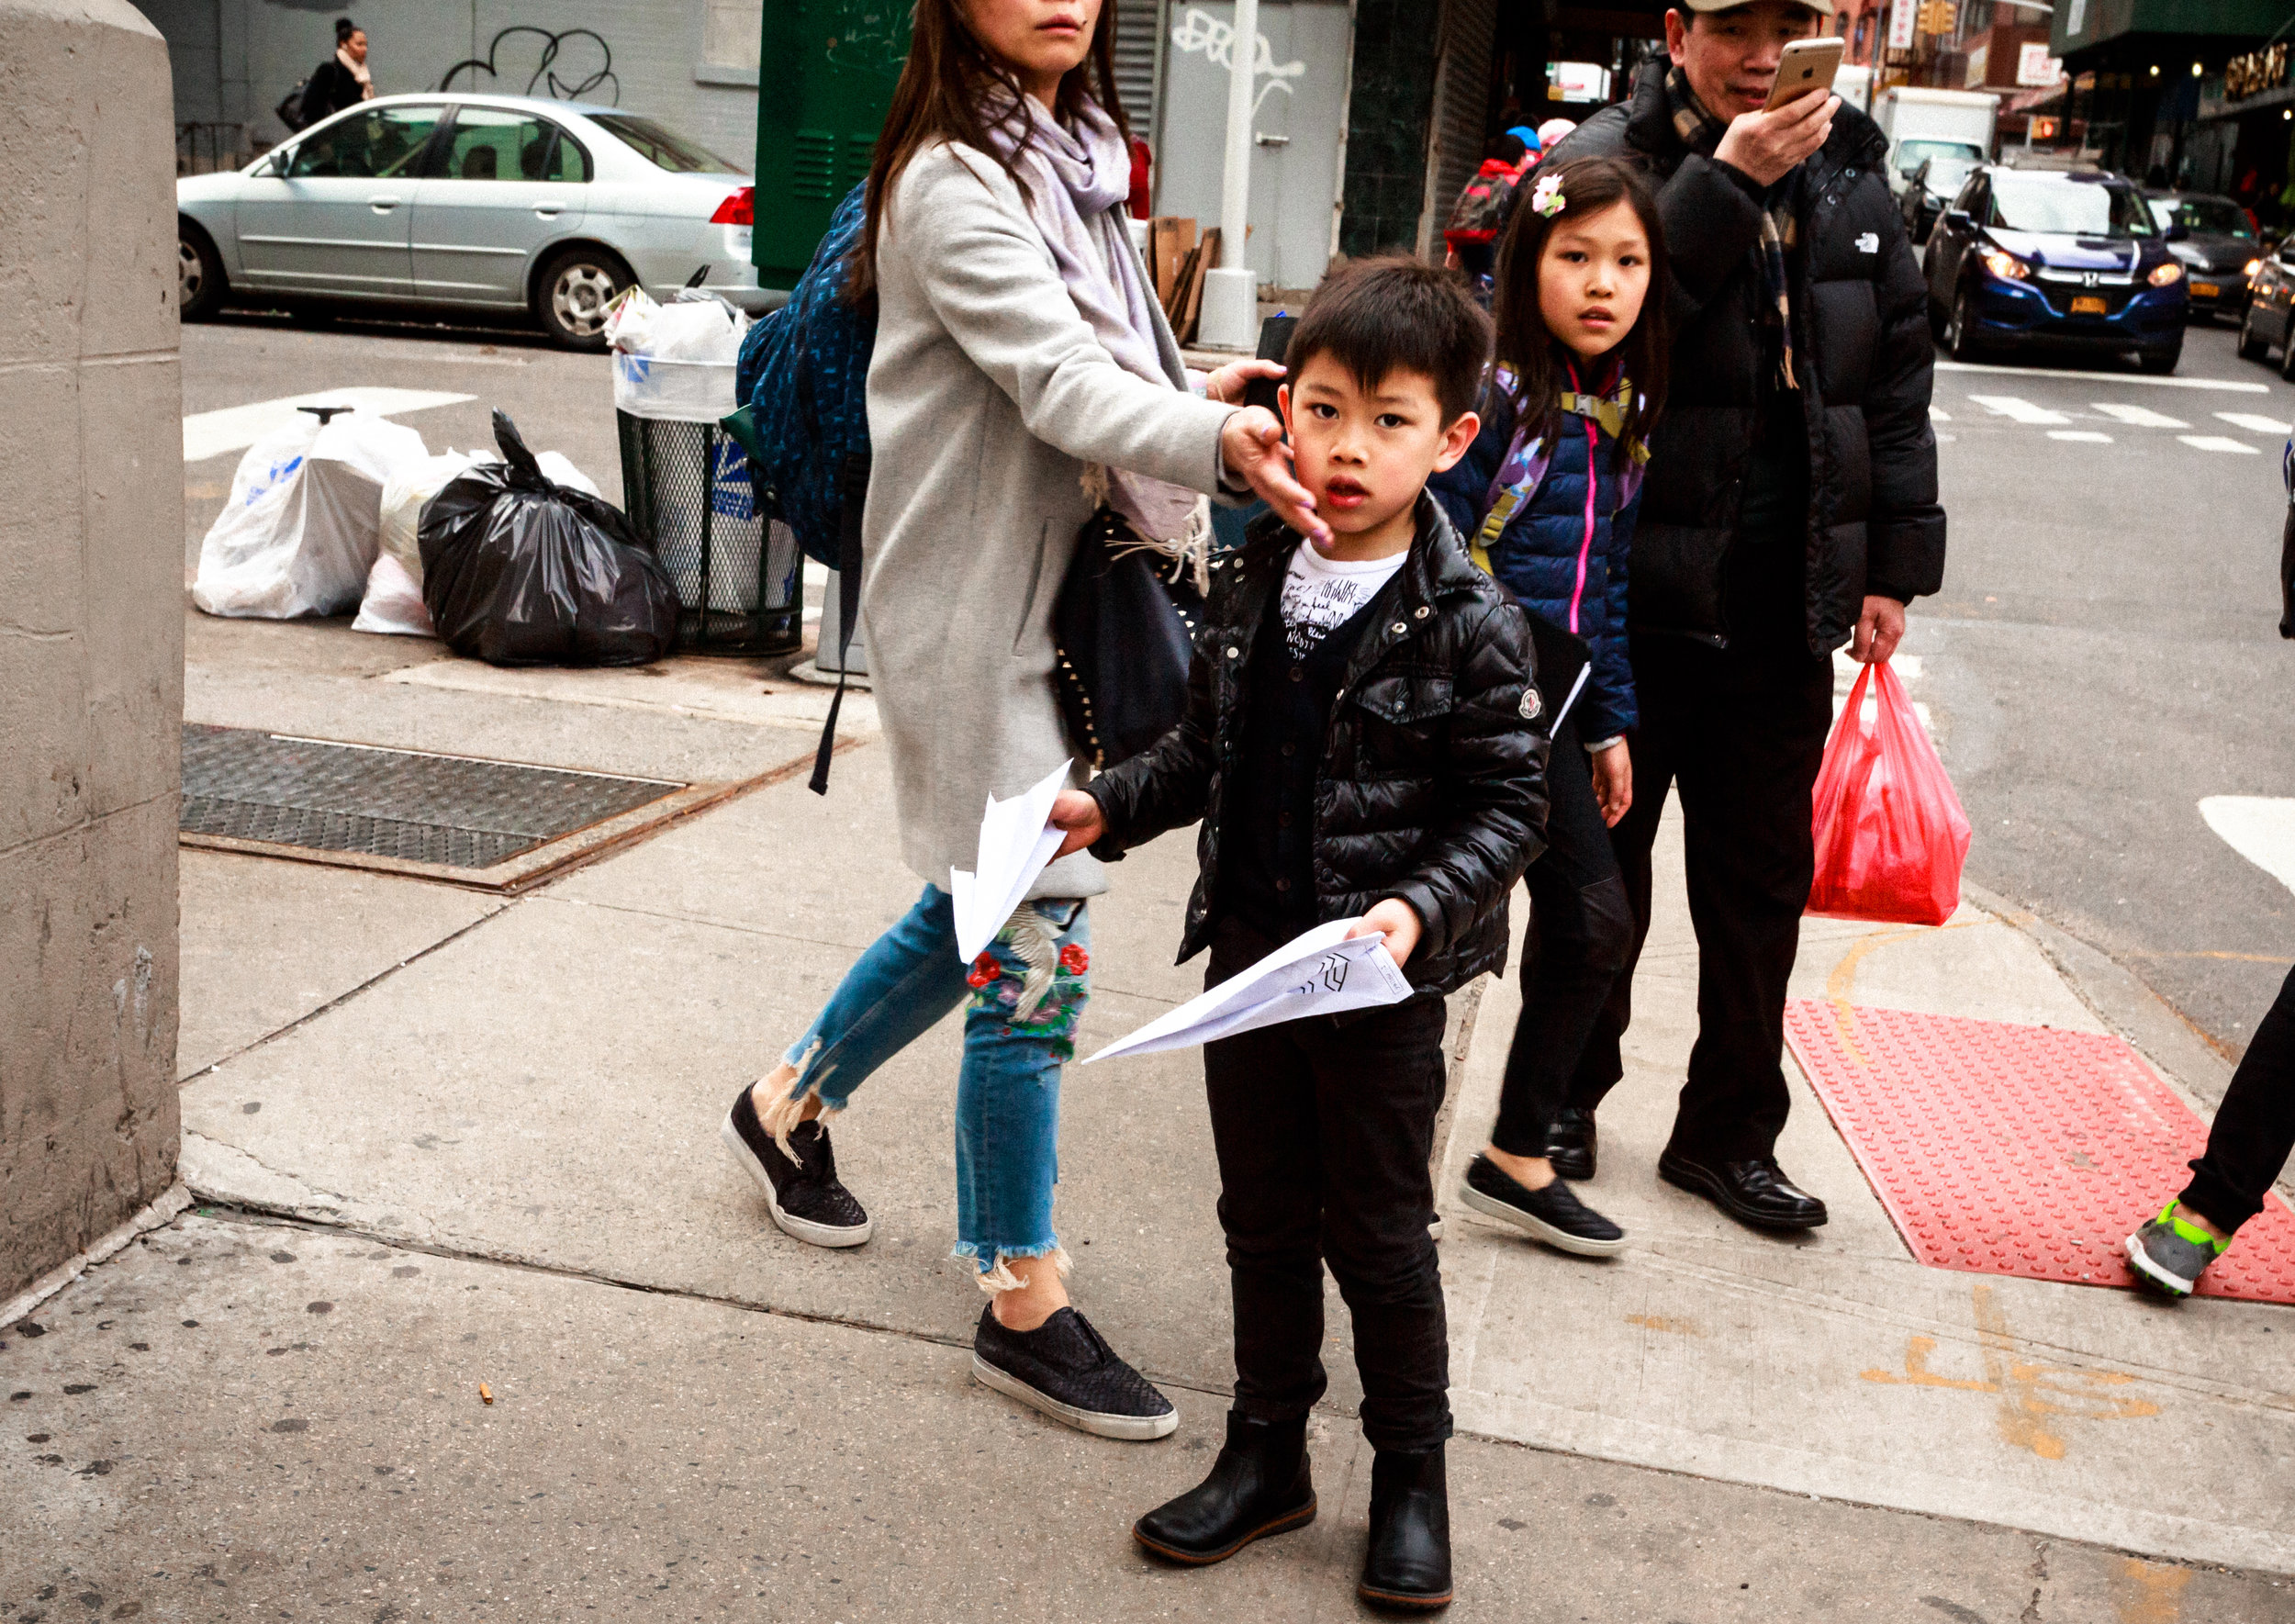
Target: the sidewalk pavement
(439, 1139)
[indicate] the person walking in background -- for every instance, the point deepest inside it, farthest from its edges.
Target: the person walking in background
(2248, 1144)
(343, 80)
(1480, 214)
(1790, 506)
(1548, 492)
(1020, 362)
(1359, 744)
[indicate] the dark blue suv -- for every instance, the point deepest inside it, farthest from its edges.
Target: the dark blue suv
(2038, 259)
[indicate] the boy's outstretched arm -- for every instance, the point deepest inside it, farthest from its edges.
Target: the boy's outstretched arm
(1494, 824)
(1163, 786)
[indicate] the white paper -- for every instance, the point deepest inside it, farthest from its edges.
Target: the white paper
(1015, 844)
(1322, 972)
(1570, 699)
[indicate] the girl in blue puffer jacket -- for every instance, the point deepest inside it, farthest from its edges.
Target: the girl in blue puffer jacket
(1549, 492)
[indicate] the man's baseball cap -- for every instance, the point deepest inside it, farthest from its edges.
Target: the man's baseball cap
(1821, 7)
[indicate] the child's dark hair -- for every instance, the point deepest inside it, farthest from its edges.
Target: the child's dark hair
(1372, 316)
(1524, 347)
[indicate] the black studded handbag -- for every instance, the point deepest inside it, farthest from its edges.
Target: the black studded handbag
(1125, 638)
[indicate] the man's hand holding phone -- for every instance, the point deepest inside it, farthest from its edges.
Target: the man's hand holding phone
(1767, 144)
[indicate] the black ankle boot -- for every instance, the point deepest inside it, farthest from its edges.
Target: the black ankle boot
(1408, 1564)
(1259, 1486)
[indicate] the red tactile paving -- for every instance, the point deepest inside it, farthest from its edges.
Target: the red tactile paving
(2023, 1150)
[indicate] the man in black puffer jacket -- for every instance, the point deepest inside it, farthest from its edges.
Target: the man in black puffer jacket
(1790, 506)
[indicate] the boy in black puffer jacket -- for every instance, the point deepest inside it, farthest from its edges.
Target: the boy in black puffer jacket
(1363, 740)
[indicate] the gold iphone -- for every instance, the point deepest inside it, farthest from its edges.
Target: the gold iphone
(1808, 65)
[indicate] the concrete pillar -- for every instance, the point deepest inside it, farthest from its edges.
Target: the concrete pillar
(91, 627)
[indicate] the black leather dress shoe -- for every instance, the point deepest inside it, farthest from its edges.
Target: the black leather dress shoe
(1259, 1486)
(1569, 1143)
(1407, 1567)
(1754, 1191)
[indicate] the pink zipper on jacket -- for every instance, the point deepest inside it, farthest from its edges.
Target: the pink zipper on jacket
(1586, 546)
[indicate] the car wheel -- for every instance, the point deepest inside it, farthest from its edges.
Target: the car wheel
(572, 294)
(2251, 348)
(1960, 326)
(199, 281)
(2163, 360)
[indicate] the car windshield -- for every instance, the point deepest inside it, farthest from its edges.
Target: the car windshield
(1947, 176)
(1913, 154)
(2082, 208)
(663, 147)
(2216, 217)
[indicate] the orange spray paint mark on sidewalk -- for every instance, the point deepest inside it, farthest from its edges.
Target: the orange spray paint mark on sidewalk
(2147, 1591)
(1659, 1322)
(2031, 1395)
(1843, 980)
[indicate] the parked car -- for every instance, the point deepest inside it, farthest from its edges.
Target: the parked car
(2219, 250)
(1931, 188)
(2271, 303)
(2031, 259)
(470, 202)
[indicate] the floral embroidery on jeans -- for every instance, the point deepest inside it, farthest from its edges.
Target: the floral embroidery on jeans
(999, 980)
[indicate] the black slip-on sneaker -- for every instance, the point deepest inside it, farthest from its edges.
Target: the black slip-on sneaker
(1553, 1215)
(800, 1184)
(1067, 1369)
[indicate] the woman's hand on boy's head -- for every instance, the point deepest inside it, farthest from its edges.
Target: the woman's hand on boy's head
(1397, 920)
(1077, 812)
(1228, 384)
(1251, 447)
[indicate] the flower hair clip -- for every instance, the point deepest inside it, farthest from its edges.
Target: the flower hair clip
(1546, 198)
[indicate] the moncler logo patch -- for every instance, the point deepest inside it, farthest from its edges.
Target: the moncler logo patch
(1869, 243)
(1532, 706)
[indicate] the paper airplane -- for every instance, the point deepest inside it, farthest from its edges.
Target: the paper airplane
(1015, 844)
(1319, 973)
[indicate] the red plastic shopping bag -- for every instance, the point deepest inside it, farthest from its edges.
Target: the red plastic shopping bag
(1890, 834)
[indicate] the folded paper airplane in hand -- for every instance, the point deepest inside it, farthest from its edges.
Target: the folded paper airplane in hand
(1323, 972)
(1015, 844)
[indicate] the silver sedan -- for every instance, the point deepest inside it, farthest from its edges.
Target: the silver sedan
(473, 201)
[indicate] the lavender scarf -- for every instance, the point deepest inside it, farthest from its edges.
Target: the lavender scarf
(1075, 179)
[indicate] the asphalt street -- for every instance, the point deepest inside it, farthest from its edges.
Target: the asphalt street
(2104, 655)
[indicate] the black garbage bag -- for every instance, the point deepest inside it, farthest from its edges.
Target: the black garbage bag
(518, 571)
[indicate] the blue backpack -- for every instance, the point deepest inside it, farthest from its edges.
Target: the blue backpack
(802, 381)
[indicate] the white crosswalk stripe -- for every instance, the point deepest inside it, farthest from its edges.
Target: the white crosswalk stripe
(2139, 417)
(2260, 828)
(2017, 410)
(1937, 414)
(235, 428)
(2080, 436)
(2248, 420)
(2217, 442)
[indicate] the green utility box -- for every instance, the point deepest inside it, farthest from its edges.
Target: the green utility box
(825, 74)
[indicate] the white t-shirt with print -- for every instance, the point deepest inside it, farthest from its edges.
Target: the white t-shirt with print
(1320, 594)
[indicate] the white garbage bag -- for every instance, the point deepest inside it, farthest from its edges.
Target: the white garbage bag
(684, 369)
(629, 324)
(302, 528)
(393, 601)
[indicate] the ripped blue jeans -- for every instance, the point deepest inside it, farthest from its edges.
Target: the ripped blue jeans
(1023, 996)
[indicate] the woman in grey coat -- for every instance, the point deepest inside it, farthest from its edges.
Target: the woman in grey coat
(1023, 373)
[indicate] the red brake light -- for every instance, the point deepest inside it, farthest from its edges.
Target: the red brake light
(740, 210)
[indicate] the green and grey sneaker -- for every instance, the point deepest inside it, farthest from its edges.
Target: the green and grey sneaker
(2170, 1253)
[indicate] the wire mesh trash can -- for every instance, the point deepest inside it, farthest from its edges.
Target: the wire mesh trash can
(687, 490)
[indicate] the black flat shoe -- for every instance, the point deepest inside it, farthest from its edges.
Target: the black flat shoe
(1569, 1143)
(1066, 1369)
(801, 1189)
(1407, 1566)
(1259, 1486)
(1553, 1215)
(1754, 1191)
